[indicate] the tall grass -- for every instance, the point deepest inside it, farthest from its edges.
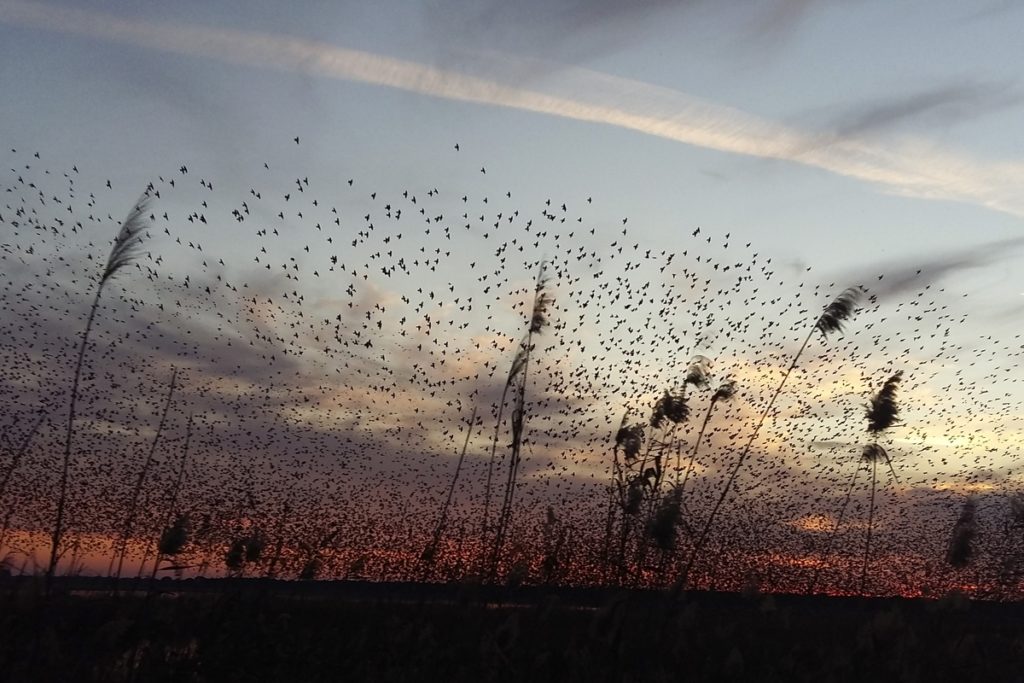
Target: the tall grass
(831, 320)
(664, 510)
(838, 524)
(125, 250)
(519, 374)
(636, 483)
(280, 533)
(513, 373)
(625, 491)
(429, 553)
(175, 534)
(133, 505)
(725, 391)
(882, 413)
(637, 479)
(669, 411)
(314, 563)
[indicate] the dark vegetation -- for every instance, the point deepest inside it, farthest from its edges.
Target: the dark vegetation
(259, 630)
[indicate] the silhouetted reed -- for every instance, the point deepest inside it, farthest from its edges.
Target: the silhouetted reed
(245, 551)
(282, 523)
(175, 535)
(638, 475)
(831, 320)
(429, 553)
(883, 410)
(133, 504)
(125, 250)
(311, 569)
(725, 391)
(173, 539)
(670, 410)
(624, 491)
(518, 374)
(881, 415)
(662, 525)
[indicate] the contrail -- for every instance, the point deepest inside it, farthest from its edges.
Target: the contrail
(912, 168)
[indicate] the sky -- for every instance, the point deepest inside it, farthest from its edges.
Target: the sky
(861, 142)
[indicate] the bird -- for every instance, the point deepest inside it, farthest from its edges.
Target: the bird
(344, 388)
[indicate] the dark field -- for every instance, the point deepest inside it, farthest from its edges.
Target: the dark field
(260, 630)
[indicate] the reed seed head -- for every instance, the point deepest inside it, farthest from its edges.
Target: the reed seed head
(671, 407)
(542, 300)
(634, 496)
(883, 411)
(519, 362)
(698, 372)
(234, 559)
(175, 537)
(662, 526)
(254, 546)
(874, 452)
(725, 391)
(127, 244)
(839, 311)
(311, 569)
(630, 438)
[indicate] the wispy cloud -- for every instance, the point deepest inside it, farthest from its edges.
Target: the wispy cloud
(948, 103)
(575, 29)
(913, 167)
(908, 275)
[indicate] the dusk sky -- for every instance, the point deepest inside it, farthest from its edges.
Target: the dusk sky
(835, 143)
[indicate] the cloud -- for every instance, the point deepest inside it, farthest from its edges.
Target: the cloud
(540, 20)
(912, 275)
(911, 168)
(944, 104)
(578, 29)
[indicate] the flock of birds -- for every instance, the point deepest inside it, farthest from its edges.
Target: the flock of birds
(331, 340)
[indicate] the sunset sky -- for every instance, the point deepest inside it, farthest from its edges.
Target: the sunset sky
(865, 143)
